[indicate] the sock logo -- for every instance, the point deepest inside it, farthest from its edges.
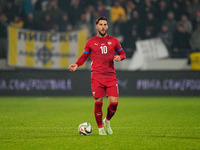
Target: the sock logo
(98, 114)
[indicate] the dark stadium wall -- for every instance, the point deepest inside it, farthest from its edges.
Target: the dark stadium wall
(131, 83)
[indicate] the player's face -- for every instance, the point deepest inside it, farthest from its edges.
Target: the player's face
(102, 28)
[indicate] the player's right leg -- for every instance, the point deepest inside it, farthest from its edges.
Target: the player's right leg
(98, 94)
(99, 114)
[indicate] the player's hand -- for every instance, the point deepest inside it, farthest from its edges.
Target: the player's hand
(72, 67)
(117, 58)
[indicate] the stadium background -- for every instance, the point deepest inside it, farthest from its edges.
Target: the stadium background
(176, 23)
(41, 106)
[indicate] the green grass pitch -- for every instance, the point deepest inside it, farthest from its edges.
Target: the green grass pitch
(42, 123)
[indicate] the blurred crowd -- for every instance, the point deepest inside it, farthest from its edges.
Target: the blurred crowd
(176, 22)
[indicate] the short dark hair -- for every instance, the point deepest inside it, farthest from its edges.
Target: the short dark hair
(101, 18)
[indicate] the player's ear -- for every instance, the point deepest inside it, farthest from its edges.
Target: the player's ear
(96, 26)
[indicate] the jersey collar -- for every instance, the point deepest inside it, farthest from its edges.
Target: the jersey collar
(102, 37)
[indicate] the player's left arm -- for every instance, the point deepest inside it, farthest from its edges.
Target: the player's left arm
(121, 54)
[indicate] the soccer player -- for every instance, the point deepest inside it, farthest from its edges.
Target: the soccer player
(102, 49)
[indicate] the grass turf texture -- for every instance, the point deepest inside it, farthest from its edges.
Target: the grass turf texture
(140, 123)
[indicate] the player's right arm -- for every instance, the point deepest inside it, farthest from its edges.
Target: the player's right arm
(79, 62)
(81, 59)
(72, 67)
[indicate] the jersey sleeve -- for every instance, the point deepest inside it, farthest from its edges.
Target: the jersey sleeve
(85, 55)
(87, 48)
(120, 50)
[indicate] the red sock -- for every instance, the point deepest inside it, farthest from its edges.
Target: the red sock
(98, 113)
(111, 110)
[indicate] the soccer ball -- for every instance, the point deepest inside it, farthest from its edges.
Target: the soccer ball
(85, 128)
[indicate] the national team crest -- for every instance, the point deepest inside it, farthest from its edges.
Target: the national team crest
(109, 43)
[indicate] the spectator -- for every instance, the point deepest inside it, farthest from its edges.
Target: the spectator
(100, 8)
(3, 35)
(89, 12)
(41, 5)
(195, 39)
(3, 4)
(64, 5)
(151, 23)
(147, 7)
(170, 21)
(75, 11)
(129, 8)
(27, 7)
(64, 22)
(94, 30)
(69, 28)
(166, 36)
(187, 24)
(162, 10)
(180, 46)
(195, 6)
(30, 22)
(83, 23)
(117, 11)
(196, 21)
(119, 24)
(47, 23)
(38, 6)
(10, 10)
(134, 23)
(176, 10)
(129, 42)
(91, 15)
(188, 4)
(54, 11)
(116, 32)
(148, 34)
(17, 22)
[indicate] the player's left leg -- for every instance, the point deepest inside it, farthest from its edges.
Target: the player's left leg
(110, 113)
(112, 107)
(113, 94)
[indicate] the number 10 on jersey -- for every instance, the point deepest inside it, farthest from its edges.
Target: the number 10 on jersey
(104, 49)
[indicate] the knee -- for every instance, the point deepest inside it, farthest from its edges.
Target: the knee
(113, 99)
(100, 99)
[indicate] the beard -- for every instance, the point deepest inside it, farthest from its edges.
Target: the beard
(102, 34)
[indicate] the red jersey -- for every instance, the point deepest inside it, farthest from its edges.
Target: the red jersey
(102, 52)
